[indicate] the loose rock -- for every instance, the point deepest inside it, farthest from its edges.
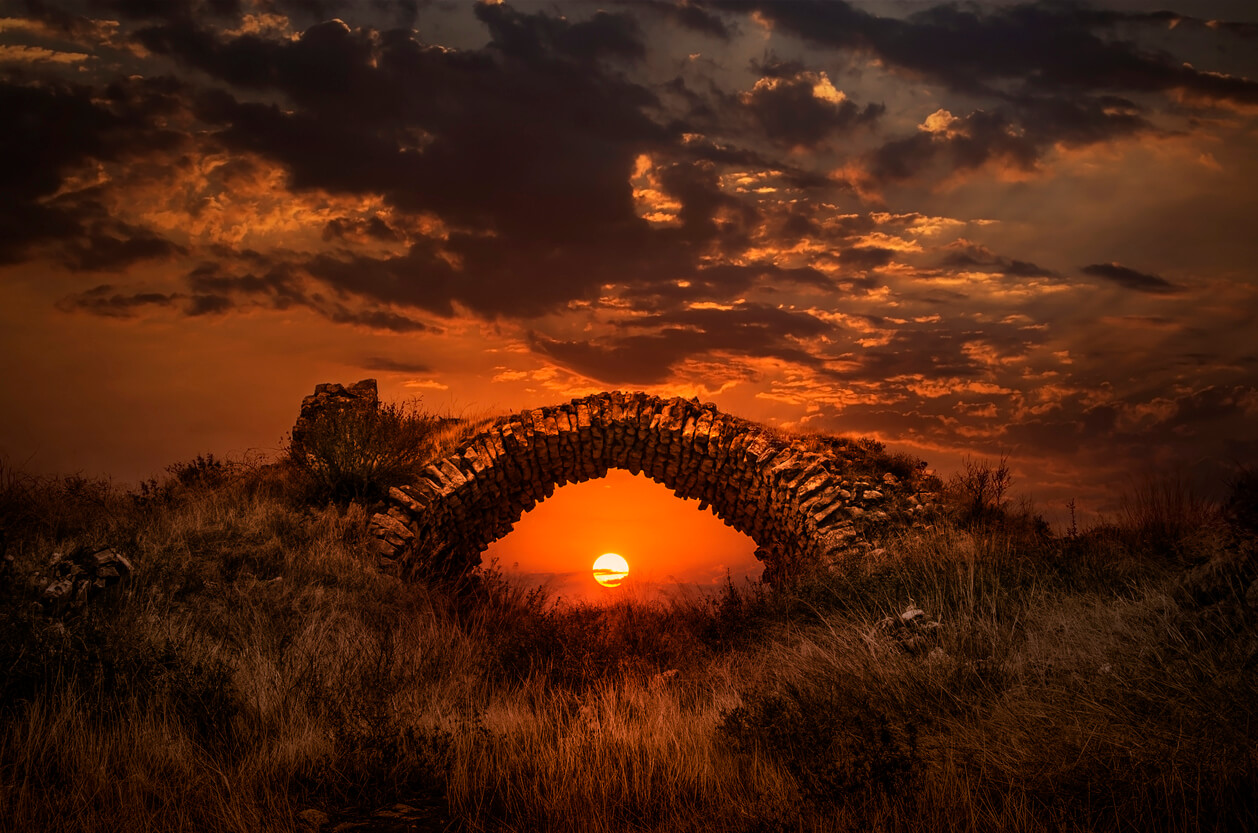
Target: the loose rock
(76, 578)
(330, 398)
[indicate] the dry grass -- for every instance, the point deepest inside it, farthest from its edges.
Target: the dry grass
(258, 664)
(1163, 508)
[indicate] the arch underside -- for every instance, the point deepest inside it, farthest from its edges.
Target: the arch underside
(799, 505)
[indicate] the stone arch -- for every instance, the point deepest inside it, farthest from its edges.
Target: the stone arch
(800, 504)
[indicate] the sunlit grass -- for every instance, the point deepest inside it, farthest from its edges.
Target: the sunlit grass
(259, 664)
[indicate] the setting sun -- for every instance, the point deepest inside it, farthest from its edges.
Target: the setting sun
(610, 569)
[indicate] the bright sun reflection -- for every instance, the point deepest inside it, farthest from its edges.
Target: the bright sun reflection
(610, 569)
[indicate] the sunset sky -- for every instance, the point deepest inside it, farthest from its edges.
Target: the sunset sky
(958, 228)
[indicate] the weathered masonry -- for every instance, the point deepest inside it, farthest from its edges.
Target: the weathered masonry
(797, 503)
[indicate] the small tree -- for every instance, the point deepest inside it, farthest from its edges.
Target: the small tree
(981, 486)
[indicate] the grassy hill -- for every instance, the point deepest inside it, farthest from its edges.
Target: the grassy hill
(258, 671)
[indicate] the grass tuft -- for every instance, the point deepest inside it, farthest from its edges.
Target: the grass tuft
(357, 454)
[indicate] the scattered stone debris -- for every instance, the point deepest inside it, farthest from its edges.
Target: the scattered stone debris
(912, 630)
(73, 580)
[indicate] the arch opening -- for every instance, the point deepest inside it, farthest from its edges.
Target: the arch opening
(670, 544)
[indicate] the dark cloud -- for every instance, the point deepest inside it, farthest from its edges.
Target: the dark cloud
(278, 287)
(523, 148)
(977, 139)
(865, 258)
(375, 319)
(1167, 19)
(726, 155)
(1046, 46)
(355, 230)
(398, 13)
(112, 246)
(52, 129)
(530, 142)
(540, 37)
(964, 254)
(1203, 411)
(327, 67)
(697, 186)
(1199, 425)
(120, 302)
(1052, 76)
(720, 284)
(386, 364)
(1131, 279)
(684, 13)
(417, 279)
(933, 353)
(213, 293)
(394, 13)
(788, 111)
(650, 347)
(1016, 136)
(165, 9)
(208, 305)
(109, 301)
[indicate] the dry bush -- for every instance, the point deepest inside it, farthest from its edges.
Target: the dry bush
(981, 488)
(357, 454)
(36, 512)
(620, 755)
(1162, 509)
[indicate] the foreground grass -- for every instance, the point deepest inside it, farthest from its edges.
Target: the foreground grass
(258, 665)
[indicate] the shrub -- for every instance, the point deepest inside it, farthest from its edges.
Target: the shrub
(116, 661)
(37, 512)
(1162, 509)
(528, 633)
(980, 488)
(1241, 508)
(357, 454)
(835, 740)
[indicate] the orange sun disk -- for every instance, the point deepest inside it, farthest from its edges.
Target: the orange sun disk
(610, 569)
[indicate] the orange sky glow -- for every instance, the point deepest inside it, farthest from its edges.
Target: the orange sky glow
(664, 538)
(1020, 228)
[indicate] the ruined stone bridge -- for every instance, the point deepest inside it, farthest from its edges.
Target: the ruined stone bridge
(801, 500)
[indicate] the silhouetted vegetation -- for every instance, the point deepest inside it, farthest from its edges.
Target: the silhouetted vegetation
(980, 490)
(832, 737)
(979, 675)
(358, 453)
